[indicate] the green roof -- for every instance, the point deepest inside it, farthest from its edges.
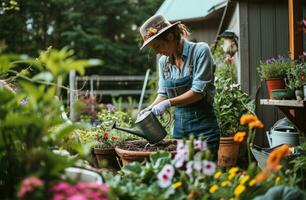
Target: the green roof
(175, 10)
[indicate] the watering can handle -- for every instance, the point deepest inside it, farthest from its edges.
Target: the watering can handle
(269, 138)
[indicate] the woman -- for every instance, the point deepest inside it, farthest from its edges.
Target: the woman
(186, 80)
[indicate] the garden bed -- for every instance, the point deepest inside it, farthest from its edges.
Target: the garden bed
(144, 146)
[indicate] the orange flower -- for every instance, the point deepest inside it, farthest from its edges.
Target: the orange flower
(256, 124)
(263, 175)
(273, 162)
(239, 136)
(245, 119)
(275, 157)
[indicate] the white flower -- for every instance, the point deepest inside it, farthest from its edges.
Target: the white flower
(178, 161)
(180, 146)
(164, 180)
(189, 167)
(165, 176)
(209, 167)
(200, 145)
(197, 165)
(169, 170)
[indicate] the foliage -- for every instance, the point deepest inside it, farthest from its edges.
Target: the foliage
(189, 175)
(230, 104)
(109, 30)
(274, 68)
(31, 126)
(296, 76)
(101, 133)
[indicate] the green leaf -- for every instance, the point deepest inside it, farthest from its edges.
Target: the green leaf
(132, 168)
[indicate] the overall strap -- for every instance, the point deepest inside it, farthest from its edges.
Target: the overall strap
(190, 67)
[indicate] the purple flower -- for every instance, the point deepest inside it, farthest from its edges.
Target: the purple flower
(110, 107)
(24, 102)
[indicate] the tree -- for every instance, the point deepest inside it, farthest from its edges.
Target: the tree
(102, 29)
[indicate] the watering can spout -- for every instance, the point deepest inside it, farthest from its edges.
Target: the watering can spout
(131, 131)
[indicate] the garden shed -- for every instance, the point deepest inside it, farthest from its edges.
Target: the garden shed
(262, 30)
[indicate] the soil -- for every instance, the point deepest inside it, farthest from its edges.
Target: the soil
(142, 145)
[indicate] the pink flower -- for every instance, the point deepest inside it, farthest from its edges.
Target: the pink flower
(28, 185)
(62, 186)
(209, 167)
(77, 197)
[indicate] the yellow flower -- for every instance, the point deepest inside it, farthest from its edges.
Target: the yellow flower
(177, 185)
(233, 170)
(238, 190)
(245, 119)
(277, 180)
(244, 179)
(213, 188)
(225, 183)
(217, 174)
(252, 182)
(231, 176)
(239, 136)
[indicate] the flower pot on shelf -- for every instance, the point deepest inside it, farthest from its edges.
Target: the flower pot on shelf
(228, 152)
(139, 150)
(107, 158)
(274, 84)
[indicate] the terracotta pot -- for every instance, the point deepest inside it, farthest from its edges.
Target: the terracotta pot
(128, 156)
(228, 152)
(107, 158)
(274, 84)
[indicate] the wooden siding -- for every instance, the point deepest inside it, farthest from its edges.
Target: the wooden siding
(268, 37)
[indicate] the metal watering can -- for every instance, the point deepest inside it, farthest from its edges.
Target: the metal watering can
(148, 126)
(283, 132)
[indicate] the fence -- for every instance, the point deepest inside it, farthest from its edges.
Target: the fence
(106, 88)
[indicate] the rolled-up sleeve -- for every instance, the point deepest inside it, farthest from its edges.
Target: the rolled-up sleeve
(161, 88)
(203, 69)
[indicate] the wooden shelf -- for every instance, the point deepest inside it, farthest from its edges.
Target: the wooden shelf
(291, 103)
(294, 110)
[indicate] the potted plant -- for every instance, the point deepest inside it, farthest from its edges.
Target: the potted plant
(273, 71)
(296, 80)
(139, 150)
(230, 104)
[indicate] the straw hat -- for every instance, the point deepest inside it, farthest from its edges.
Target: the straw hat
(153, 27)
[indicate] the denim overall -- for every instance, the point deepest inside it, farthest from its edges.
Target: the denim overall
(197, 118)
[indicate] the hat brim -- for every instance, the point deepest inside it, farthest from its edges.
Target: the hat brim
(145, 43)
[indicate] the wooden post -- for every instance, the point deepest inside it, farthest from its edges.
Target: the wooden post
(295, 35)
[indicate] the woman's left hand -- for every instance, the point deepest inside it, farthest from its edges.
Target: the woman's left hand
(161, 107)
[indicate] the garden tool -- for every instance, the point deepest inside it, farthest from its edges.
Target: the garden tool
(148, 126)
